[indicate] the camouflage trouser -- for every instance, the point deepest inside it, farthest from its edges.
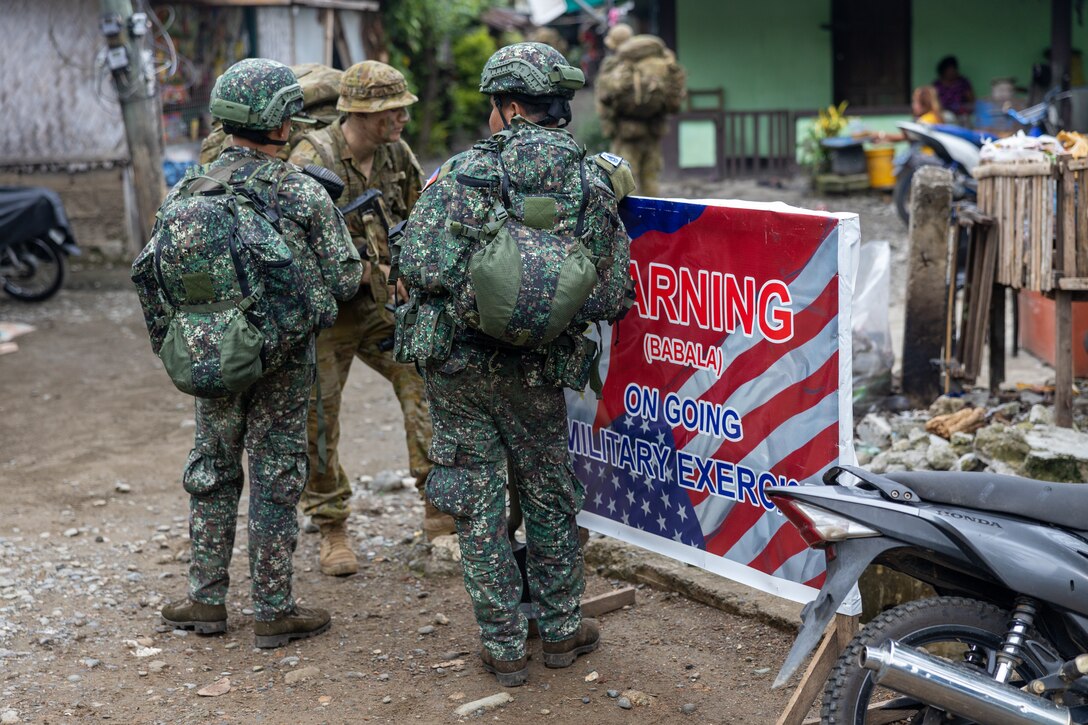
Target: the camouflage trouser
(644, 155)
(269, 420)
(358, 331)
(483, 414)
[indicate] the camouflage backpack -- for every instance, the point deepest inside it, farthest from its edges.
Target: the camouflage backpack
(232, 289)
(320, 89)
(519, 261)
(642, 80)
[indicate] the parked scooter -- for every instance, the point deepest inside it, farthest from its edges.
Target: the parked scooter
(951, 147)
(1005, 641)
(957, 149)
(35, 239)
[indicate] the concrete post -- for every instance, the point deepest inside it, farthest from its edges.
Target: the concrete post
(926, 314)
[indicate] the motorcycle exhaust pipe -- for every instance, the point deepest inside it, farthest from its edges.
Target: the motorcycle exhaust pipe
(962, 692)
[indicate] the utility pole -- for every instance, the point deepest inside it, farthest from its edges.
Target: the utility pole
(134, 80)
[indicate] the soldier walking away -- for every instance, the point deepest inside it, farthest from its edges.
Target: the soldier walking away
(639, 86)
(364, 148)
(497, 350)
(246, 262)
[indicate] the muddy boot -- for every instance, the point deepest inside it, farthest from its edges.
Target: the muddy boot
(436, 523)
(563, 653)
(299, 624)
(336, 557)
(509, 673)
(194, 616)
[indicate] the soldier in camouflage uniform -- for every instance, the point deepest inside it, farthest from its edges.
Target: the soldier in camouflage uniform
(257, 100)
(364, 148)
(635, 137)
(494, 405)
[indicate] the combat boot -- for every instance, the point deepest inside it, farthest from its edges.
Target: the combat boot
(436, 523)
(298, 624)
(194, 616)
(509, 673)
(564, 652)
(336, 557)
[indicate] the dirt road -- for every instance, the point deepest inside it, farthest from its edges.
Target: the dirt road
(93, 539)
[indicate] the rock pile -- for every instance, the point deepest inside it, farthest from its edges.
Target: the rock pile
(970, 434)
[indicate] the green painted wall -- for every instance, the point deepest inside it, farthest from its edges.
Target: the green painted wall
(770, 54)
(775, 54)
(990, 39)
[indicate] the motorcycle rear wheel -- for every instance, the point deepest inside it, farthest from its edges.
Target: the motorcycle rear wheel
(902, 193)
(32, 270)
(946, 626)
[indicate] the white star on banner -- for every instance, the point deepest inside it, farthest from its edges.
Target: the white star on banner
(600, 472)
(677, 536)
(661, 522)
(597, 499)
(615, 481)
(646, 507)
(625, 519)
(611, 505)
(666, 502)
(682, 514)
(661, 437)
(645, 427)
(631, 497)
(628, 422)
(588, 466)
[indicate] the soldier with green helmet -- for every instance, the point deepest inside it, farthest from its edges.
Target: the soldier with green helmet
(499, 410)
(257, 101)
(364, 148)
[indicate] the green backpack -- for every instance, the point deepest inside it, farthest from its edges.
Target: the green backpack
(525, 257)
(232, 290)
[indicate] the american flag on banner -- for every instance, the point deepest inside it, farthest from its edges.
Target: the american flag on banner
(731, 373)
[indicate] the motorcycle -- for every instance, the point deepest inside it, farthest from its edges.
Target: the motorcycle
(35, 240)
(958, 149)
(954, 148)
(1005, 640)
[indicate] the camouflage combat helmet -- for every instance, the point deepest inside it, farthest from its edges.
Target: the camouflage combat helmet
(372, 86)
(530, 69)
(257, 94)
(617, 35)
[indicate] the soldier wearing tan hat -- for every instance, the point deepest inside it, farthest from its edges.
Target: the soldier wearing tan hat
(365, 149)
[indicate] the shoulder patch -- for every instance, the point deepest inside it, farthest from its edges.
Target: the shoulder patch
(445, 169)
(619, 173)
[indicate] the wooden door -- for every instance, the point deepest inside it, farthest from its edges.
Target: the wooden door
(870, 45)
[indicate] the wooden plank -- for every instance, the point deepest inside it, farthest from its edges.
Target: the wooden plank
(838, 635)
(997, 337)
(1067, 244)
(1077, 164)
(1081, 236)
(609, 602)
(1063, 359)
(1031, 168)
(1073, 284)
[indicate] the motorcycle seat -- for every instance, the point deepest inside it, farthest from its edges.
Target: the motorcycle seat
(1062, 504)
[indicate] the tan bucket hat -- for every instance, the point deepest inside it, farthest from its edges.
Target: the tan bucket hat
(373, 86)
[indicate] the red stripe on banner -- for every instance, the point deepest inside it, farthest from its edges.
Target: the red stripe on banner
(765, 419)
(803, 462)
(817, 582)
(791, 401)
(785, 543)
(754, 362)
(765, 251)
(813, 456)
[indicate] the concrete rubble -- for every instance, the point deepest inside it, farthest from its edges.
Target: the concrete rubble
(975, 432)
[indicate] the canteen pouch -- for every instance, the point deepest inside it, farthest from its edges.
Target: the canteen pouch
(569, 362)
(424, 333)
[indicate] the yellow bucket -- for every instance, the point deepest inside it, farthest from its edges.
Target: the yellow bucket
(881, 167)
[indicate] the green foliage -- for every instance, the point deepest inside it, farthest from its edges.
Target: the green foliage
(431, 43)
(469, 106)
(829, 123)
